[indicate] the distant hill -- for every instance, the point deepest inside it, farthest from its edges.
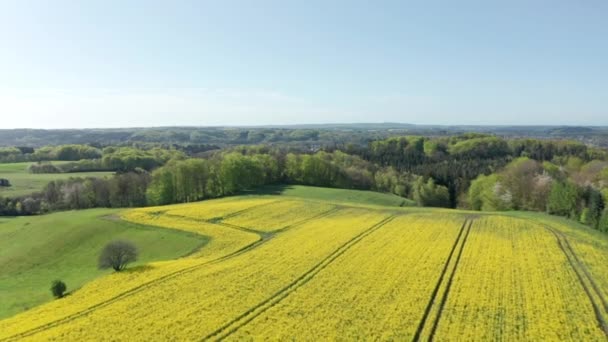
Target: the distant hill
(302, 134)
(571, 130)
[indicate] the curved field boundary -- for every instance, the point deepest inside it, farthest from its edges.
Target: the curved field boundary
(266, 235)
(444, 271)
(216, 222)
(583, 276)
(263, 234)
(212, 219)
(156, 281)
(334, 209)
(238, 212)
(247, 316)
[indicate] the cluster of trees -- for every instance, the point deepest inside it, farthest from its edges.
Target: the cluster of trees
(231, 172)
(85, 165)
(121, 190)
(61, 152)
(337, 169)
(14, 154)
(84, 158)
(128, 159)
(246, 168)
(455, 161)
(576, 189)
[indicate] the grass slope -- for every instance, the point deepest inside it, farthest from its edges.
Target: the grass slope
(337, 195)
(24, 183)
(39, 249)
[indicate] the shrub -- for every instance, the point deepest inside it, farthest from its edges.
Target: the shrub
(58, 288)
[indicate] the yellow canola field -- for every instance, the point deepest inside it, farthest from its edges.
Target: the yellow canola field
(513, 281)
(191, 306)
(590, 246)
(279, 215)
(595, 260)
(212, 209)
(377, 290)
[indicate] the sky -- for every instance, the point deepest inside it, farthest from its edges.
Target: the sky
(85, 64)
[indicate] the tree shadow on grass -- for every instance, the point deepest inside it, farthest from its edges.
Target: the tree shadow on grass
(275, 189)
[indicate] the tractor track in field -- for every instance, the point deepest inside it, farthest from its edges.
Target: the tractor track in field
(264, 235)
(460, 240)
(582, 273)
(166, 277)
(243, 319)
(239, 212)
(216, 222)
(444, 298)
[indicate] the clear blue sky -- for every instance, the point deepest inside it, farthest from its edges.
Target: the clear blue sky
(153, 63)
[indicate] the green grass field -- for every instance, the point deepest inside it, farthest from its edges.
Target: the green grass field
(337, 195)
(36, 250)
(24, 183)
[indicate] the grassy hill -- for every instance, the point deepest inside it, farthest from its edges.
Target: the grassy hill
(23, 182)
(281, 267)
(337, 195)
(37, 250)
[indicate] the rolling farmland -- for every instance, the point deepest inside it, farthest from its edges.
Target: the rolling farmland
(285, 267)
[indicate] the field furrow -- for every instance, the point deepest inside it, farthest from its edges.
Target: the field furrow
(277, 215)
(589, 246)
(375, 290)
(586, 280)
(449, 283)
(232, 326)
(432, 313)
(515, 282)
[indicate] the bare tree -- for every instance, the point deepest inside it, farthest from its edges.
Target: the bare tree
(117, 254)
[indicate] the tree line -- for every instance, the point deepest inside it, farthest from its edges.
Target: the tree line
(222, 174)
(475, 171)
(575, 189)
(89, 158)
(119, 191)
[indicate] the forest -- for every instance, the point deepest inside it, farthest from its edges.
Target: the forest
(471, 171)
